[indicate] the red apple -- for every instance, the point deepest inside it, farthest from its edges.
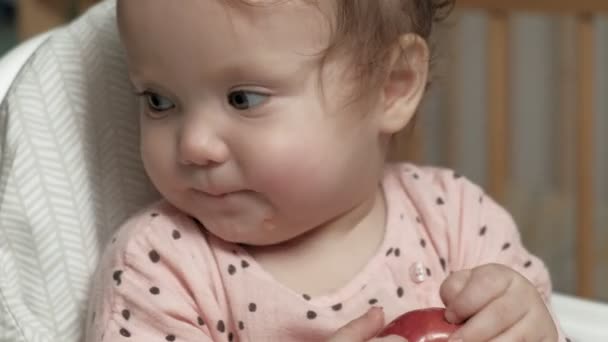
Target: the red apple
(426, 325)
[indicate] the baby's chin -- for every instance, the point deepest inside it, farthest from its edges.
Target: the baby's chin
(263, 232)
(256, 226)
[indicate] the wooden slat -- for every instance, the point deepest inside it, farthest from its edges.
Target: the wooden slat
(573, 6)
(407, 144)
(83, 5)
(35, 16)
(498, 123)
(453, 97)
(414, 146)
(585, 155)
(564, 156)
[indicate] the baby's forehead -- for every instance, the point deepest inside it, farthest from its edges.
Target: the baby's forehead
(290, 31)
(271, 2)
(325, 6)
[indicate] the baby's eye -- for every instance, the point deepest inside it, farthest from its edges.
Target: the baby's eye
(243, 99)
(157, 102)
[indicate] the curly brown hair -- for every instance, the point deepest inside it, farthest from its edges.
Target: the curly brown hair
(367, 32)
(372, 27)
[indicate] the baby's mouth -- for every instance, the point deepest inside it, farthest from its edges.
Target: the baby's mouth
(221, 194)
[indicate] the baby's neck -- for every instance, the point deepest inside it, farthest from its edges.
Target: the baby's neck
(329, 256)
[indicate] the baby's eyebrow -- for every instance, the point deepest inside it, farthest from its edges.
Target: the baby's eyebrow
(138, 81)
(264, 68)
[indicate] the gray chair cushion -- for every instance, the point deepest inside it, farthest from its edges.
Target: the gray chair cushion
(70, 173)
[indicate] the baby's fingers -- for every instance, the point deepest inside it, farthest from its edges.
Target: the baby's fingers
(467, 292)
(364, 329)
(361, 329)
(492, 321)
(527, 329)
(391, 338)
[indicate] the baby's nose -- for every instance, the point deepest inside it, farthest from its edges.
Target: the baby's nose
(200, 144)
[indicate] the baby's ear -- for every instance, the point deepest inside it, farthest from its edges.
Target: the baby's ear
(405, 83)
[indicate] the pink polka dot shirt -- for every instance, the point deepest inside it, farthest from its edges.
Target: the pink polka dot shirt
(164, 278)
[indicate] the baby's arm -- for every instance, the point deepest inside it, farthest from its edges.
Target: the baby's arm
(141, 292)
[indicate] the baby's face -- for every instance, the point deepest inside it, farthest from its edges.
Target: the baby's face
(242, 125)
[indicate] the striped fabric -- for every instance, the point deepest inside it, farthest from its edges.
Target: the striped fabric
(70, 173)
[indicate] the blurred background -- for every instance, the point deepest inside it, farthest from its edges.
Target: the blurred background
(21, 19)
(8, 34)
(542, 180)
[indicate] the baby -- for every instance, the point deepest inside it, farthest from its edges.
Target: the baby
(265, 125)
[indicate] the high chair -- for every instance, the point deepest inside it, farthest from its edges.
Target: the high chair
(70, 174)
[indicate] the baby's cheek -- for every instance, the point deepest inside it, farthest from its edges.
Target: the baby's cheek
(292, 173)
(286, 166)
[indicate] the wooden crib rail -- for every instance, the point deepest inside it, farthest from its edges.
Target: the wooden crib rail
(583, 119)
(545, 6)
(36, 16)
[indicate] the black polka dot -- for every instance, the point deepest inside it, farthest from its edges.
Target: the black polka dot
(252, 307)
(124, 332)
(457, 175)
(221, 327)
(230, 337)
(506, 246)
(176, 235)
(440, 201)
(200, 321)
(483, 231)
(418, 219)
(390, 250)
(416, 176)
(154, 257)
(126, 314)
(154, 290)
(568, 340)
(428, 271)
(307, 297)
(311, 314)
(400, 292)
(116, 276)
(423, 243)
(241, 325)
(481, 199)
(231, 269)
(170, 338)
(244, 264)
(401, 216)
(154, 214)
(373, 301)
(397, 252)
(337, 307)
(442, 262)
(528, 264)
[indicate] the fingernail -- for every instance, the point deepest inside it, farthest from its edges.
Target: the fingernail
(450, 316)
(375, 309)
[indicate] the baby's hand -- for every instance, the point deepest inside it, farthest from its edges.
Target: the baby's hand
(364, 328)
(499, 304)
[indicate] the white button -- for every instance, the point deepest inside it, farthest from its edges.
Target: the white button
(418, 272)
